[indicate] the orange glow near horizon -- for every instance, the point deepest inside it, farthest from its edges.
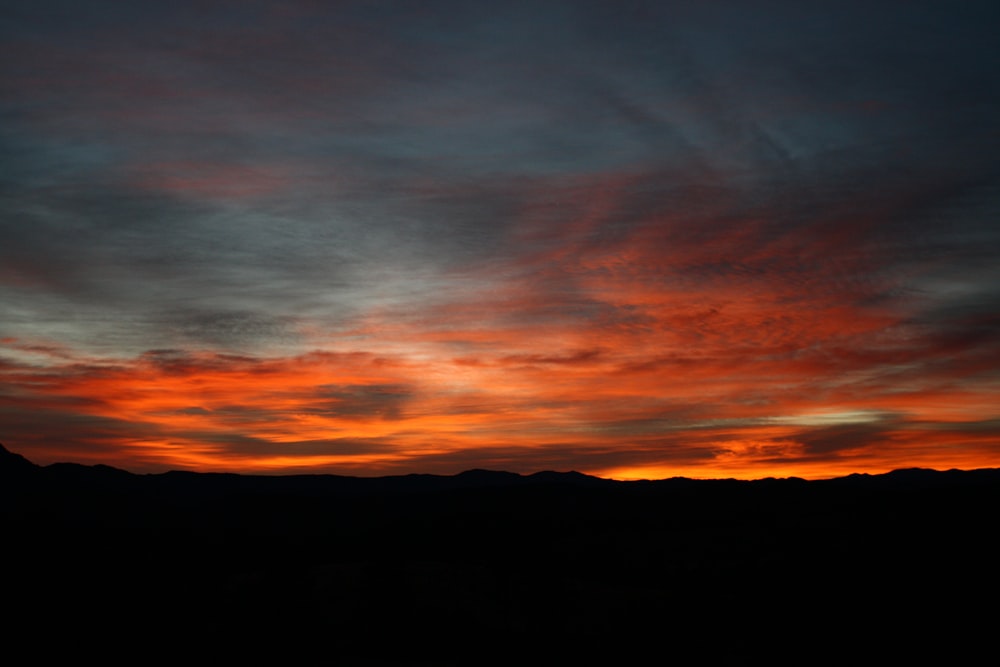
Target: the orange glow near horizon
(626, 359)
(611, 409)
(637, 356)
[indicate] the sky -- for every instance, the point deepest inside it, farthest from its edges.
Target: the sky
(631, 239)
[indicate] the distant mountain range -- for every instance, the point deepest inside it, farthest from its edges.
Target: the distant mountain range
(15, 468)
(496, 568)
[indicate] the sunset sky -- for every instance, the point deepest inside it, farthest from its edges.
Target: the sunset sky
(632, 239)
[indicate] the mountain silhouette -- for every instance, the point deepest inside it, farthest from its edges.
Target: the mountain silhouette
(493, 567)
(12, 465)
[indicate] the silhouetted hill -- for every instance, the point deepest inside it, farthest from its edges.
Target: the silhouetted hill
(492, 567)
(13, 465)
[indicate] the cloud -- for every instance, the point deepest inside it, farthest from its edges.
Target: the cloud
(384, 400)
(654, 234)
(844, 437)
(231, 329)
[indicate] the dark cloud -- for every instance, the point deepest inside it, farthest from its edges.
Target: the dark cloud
(239, 446)
(231, 329)
(385, 401)
(845, 438)
(574, 358)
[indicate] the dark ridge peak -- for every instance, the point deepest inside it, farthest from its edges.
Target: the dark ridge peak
(780, 480)
(918, 474)
(912, 478)
(97, 469)
(11, 462)
(562, 474)
(484, 477)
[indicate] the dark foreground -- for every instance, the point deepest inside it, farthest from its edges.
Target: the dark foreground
(496, 568)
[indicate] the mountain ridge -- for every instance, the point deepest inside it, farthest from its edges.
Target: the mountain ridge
(15, 468)
(492, 559)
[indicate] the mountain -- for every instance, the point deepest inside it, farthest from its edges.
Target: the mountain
(492, 567)
(14, 464)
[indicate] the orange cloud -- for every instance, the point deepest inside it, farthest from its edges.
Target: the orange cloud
(623, 343)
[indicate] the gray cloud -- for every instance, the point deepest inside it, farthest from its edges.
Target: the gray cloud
(386, 401)
(831, 440)
(230, 329)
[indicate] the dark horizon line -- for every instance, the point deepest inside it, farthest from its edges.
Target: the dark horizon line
(7, 456)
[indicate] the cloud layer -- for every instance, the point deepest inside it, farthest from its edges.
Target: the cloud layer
(636, 239)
